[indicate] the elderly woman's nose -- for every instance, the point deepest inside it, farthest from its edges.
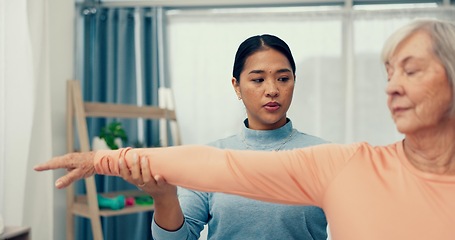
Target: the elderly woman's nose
(394, 84)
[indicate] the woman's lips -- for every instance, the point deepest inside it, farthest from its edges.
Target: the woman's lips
(272, 106)
(399, 110)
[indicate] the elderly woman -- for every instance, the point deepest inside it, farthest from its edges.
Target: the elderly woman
(405, 190)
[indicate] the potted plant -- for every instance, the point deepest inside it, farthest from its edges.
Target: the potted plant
(111, 137)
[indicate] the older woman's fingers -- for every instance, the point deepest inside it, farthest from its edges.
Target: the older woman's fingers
(69, 178)
(145, 168)
(68, 161)
(54, 163)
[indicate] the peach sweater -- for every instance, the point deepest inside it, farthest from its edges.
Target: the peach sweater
(366, 192)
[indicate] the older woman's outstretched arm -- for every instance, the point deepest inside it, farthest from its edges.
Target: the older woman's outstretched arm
(293, 177)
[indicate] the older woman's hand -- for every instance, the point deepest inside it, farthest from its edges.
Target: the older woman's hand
(79, 165)
(139, 174)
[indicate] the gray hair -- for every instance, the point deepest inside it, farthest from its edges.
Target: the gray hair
(442, 34)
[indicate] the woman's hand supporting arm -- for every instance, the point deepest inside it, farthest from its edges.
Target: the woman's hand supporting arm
(167, 213)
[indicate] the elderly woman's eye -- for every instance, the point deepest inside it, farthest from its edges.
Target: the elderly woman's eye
(411, 72)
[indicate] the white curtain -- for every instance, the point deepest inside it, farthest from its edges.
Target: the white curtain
(2, 107)
(25, 125)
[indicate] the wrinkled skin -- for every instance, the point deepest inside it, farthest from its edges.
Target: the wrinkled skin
(79, 165)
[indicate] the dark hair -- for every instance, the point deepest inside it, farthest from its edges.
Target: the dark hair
(257, 43)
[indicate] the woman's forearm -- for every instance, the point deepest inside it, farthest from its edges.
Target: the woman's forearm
(168, 214)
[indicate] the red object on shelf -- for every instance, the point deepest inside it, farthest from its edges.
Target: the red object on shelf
(129, 201)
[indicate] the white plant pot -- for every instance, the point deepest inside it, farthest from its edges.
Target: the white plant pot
(100, 144)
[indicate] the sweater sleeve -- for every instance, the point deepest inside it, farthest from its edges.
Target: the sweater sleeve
(196, 211)
(298, 176)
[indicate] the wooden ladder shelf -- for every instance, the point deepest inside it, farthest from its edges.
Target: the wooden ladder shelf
(77, 112)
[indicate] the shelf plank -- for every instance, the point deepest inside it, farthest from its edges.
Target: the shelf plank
(80, 206)
(82, 209)
(96, 109)
(13, 232)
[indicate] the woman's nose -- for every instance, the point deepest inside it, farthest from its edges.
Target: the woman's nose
(395, 85)
(272, 89)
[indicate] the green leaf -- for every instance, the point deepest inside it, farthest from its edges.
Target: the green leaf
(112, 131)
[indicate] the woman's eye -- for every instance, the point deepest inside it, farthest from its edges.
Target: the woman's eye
(258, 80)
(411, 69)
(410, 72)
(283, 79)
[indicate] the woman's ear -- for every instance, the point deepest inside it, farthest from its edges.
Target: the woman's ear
(236, 86)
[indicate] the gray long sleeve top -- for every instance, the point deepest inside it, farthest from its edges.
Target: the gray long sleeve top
(234, 217)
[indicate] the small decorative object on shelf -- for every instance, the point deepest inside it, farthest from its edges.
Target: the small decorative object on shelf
(111, 137)
(144, 200)
(115, 203)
